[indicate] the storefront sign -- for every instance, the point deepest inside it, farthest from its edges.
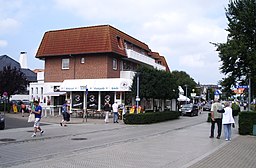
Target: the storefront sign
(115, 84)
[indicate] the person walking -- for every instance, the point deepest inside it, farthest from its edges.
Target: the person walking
(227, 121)
(107, 109)
(38, 112)
(65, 114)
(22, 108)
(216, 117)
(115, 112)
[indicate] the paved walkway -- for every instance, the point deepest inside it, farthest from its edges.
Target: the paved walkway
(240, 152)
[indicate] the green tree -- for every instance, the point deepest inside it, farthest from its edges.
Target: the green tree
(185, 81)
(12, 81)
(155, 84)
(238, 54)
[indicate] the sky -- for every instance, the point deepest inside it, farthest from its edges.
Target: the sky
(181, 31)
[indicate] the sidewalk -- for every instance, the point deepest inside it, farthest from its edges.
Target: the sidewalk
(57, 118)
(240, 152)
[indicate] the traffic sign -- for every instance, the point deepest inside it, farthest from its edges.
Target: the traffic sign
(242, 86)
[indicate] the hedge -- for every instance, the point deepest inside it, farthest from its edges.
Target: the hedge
(235, 108)
(150, 117)
(246, 122)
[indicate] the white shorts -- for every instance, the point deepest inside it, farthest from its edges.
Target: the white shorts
(37, 122)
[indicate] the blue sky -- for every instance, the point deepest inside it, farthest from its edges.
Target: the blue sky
(179, 30)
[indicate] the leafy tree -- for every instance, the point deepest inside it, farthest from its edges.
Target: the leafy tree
(155, 84)
(12, 81)
(185, 81)
(238, 54)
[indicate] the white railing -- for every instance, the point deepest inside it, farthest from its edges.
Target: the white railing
(144, 59)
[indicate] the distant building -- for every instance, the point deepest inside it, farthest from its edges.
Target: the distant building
(8, 61)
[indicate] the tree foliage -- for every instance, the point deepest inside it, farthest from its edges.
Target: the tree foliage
(238, 54)
(185, 81)
(155, 84)
(12, 81)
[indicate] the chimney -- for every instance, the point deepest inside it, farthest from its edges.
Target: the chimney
(23, 60)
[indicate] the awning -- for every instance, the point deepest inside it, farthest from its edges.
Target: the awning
(183, 98)
(54, 93)
(109, 84)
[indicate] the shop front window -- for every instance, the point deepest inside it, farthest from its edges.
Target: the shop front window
(107, 97)
(92, 100)
(77, 100)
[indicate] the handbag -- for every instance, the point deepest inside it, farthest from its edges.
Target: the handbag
(31, 117)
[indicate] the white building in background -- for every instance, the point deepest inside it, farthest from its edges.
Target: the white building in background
(47, 94)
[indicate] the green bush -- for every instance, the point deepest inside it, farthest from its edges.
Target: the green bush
(236, 109)
(150, 117)
(252, 107)
(246, 122)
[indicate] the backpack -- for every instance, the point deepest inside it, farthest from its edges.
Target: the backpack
(64, 108)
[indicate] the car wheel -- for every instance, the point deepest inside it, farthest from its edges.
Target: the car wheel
(191, 114)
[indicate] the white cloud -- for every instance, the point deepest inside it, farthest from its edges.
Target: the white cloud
(3, 43)
(192, 61)
(8, 25)
(180, 31)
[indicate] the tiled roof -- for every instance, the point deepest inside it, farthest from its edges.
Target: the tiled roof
(94, 39)
(158, 57)
(8, 61)
(30, 75)
(5, 60)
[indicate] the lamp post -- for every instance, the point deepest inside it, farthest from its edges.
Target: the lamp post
(186, 92)
(249, 92)
(138, 92)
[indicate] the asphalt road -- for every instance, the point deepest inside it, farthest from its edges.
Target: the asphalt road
(11, 122)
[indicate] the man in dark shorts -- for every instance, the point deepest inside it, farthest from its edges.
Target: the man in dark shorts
(65, 113)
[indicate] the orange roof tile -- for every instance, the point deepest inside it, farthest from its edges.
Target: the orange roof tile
(158, 57)
(94, 39)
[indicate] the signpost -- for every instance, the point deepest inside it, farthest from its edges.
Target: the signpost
(243, 86)
(85, 105)
(5, 96)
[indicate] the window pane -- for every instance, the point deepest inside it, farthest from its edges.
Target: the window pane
(65, 63)
(114, 64)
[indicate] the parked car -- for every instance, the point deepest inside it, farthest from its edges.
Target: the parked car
(189, 109)
(2, 122)
(207, 107)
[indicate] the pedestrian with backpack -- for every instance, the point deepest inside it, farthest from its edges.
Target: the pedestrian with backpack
(65, 114)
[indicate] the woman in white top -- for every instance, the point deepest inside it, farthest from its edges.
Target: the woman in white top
(227, 121)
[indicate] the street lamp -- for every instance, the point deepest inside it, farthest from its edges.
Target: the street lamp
(186, 92)
(249, 90)
(138, 92)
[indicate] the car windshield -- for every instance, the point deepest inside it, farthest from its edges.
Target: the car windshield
(26, 103)
(187, 106)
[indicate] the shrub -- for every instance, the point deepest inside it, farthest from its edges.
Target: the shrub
(236, 109)
(246, 122)
(150, 117)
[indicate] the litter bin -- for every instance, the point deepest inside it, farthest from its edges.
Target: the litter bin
(254, 130)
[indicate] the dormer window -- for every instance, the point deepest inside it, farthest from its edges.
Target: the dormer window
(119, 43)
